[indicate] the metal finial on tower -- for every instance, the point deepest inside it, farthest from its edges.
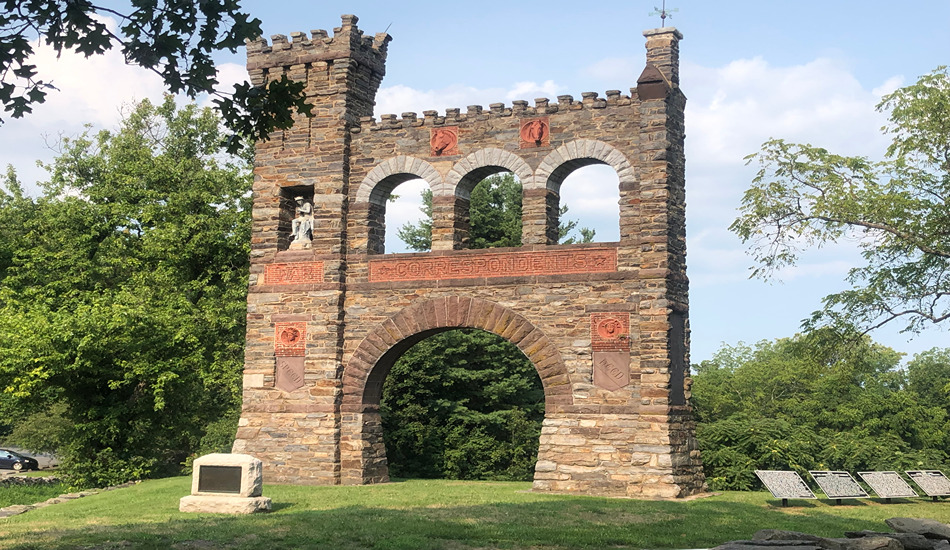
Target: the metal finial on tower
(664, 13)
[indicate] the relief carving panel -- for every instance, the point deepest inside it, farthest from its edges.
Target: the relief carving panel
(611, 369)
(535, 132)
(444, 142)
(610, 331)
(289, 375)
(290, 339)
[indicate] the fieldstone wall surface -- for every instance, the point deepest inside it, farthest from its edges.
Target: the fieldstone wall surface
(605, 324)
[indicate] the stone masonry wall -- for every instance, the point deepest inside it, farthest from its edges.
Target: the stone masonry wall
(605, 324)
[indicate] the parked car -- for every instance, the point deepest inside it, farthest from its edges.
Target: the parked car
(17, 461)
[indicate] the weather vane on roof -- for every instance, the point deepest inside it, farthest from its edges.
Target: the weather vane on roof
(663, 12)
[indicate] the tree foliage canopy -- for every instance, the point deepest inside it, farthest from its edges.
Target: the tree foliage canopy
(174, 39)
(819, 401)
(805, 196)
(122, 292)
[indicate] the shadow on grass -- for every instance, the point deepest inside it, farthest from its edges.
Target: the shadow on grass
(553, 522)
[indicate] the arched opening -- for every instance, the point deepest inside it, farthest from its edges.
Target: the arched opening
(485, 212)
(590, 204)
(373, 196)
(363, 452)
(582, 159)
(462, 404)
(408, 217)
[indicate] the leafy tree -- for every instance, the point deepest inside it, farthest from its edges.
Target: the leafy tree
(174, 39)
(806, 196)
(124, 310)
(495, 218)
(928, 376)
(820, 400)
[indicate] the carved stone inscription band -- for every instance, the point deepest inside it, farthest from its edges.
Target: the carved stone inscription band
(508, 264)
(295, 273)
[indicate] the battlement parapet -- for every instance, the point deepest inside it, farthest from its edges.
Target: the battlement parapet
(348, 41)
(520, 108)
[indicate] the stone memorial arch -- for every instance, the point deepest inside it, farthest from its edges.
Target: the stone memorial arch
(605, 324)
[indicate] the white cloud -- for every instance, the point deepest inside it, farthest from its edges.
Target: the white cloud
(229, 74)
(889, 86)
(405, 209)
(531, 90)
(592, 195)
(91, 91)
(733, 109)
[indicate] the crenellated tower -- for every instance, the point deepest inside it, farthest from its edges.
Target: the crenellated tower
(342, 73)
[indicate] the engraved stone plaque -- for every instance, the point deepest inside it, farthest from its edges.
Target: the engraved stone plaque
(887, 484)
(838, 484)
(225, 483)
(611, 369)
(219, 479)
(933, 482)
(289, 375)
(784, 484)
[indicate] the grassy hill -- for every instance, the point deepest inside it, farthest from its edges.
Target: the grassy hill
(434, 514)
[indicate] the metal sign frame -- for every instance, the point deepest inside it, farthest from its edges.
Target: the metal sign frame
(838, 484)
(883, 484)
(785, 484)
(933, 482)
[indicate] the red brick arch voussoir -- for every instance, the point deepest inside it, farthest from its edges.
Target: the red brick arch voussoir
(367, 368)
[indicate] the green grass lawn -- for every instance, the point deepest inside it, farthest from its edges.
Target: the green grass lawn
(432, 514)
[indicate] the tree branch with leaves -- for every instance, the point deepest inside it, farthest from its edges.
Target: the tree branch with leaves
(896, 208)
(173, 39)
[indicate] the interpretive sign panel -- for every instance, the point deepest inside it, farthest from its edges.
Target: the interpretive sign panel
(933, 482)
(888, 484)
(838, 484)
(784, 484)
(219, 479)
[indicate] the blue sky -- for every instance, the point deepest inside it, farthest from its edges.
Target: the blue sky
(808, 71)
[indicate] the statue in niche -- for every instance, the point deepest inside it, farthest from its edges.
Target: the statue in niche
(301, 229)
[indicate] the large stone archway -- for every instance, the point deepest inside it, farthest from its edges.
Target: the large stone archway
(366, 370)
(606, 324)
